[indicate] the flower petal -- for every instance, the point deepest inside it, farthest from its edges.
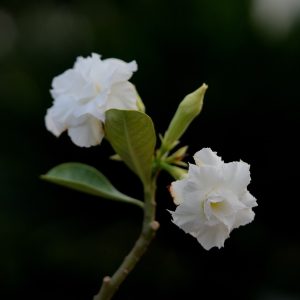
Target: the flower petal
(207, 157)
(189, 216)
(236, 176)
(177, 190)
(90, 133)
(119, 70)
(52, 125)
(205, 178)
(123, 95)
(212, 236)
(245, 216)
(248, 200)
(223, 208)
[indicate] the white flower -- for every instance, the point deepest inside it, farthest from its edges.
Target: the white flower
(213, 199)
(84, 93)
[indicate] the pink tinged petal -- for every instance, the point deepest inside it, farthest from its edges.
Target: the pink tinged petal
(212, 236)
(90, 133)
(207, 157)
(177, 190)
(236, 176)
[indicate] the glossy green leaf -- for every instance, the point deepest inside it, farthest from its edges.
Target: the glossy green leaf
(88, 180)
(132, 135)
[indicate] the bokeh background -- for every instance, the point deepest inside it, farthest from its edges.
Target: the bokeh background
(58, 244)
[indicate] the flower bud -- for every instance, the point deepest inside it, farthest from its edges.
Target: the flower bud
(178, 155)
(187, 110)
(176, 172)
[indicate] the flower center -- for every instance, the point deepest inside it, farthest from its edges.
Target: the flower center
(97, 87)
(213, 206)
(216, 205)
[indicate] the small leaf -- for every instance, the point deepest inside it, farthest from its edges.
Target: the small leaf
(88, 180)
(132, 135)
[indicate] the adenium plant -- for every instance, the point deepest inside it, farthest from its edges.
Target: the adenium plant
(94, 100)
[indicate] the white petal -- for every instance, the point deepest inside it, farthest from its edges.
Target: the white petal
(188, 222)
(90, 133)
(95, 107)
(207, 157)
(84, 65)
(244, 216)
(206, 178)
(223, 208)
(189, 215)
(213, 236)
(62, 111)
(71, 83)
(236, 176)
(177, 190)
(123, 95)
(119, 70)
(53, 125)
(248, 200)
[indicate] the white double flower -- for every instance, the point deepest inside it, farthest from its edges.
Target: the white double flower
(213, 199)
(84, 93)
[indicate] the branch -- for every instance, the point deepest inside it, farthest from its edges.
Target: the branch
(111, 284)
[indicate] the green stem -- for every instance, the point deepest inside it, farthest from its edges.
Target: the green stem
(111, 284)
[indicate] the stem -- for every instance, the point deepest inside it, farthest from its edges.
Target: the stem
(111, 284)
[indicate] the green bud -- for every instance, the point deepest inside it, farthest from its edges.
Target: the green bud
(177, 156)
(187, 111)
(176, 172)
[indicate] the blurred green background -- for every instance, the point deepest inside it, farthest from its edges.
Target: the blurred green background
(58, 244)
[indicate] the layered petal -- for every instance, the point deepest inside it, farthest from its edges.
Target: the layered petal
(123, 95)
(119, 70)
(177, 190)
(236, 176)
(206, 178)
(84, 93)
(54, 126)
(207, 157)
(90, 133)
(212, 236)
(212, 199)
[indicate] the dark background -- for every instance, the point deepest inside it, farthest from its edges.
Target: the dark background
(58, 244)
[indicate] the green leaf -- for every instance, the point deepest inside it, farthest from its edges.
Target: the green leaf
(88, 180)
(131, 134)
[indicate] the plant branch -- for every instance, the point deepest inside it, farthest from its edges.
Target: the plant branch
(111, 284)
